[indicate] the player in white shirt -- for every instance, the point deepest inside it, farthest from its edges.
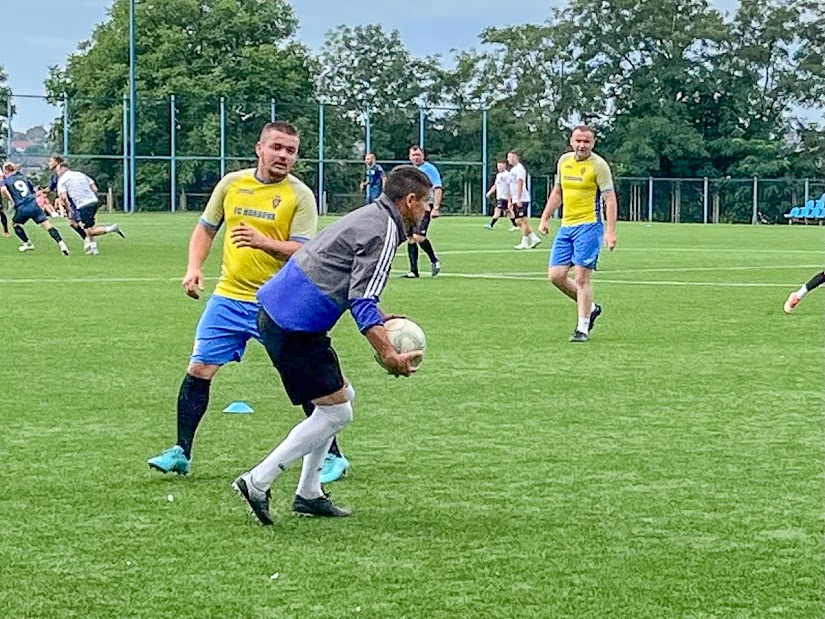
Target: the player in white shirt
(501, 188)
(63, 205)
(79, 190)
(520, 201)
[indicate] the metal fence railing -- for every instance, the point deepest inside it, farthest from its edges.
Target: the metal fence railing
(185, 144)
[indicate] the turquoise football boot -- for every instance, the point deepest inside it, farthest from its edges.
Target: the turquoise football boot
(171, 461)
(334, 468)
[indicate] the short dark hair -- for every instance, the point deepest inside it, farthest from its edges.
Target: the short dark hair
(281, 126)
(58, 159)
(584, 129)
(404, 180)
(416, 147)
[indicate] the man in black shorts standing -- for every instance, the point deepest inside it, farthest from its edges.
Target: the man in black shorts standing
(520, 201)
(501, 189)
(345, 267)
(419, 234)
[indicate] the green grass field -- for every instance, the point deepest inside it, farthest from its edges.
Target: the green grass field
(672, 467)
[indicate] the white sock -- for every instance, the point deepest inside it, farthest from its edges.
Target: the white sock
(584, 324)
(525, 240)
(533, 236)
(311, 434)
(800, 294)
(111, 227)
(592, 307)
(309, 486)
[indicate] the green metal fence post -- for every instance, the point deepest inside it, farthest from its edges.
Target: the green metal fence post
(173, 164)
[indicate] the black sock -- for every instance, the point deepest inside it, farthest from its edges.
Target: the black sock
(412, 250)
(513, 220)
(816, 281)
(193, 400)
(428, 249)
(493, 221)
(5, 221)
(21, 234)
(55, 235)
(81, 232)
(309, 408)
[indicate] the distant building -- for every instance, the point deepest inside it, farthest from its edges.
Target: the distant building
(20, 144)
(37, 134)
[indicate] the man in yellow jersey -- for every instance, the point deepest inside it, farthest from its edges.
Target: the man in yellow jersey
(583, 181)
(269, 214)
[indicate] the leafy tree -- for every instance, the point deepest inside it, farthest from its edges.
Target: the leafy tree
(810, 54)
(672, 87)
(5, 93)
(200, 50)
(365, 67)
(360, 69)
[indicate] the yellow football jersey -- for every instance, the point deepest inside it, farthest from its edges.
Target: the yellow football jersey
(284, 211)
(582, 185)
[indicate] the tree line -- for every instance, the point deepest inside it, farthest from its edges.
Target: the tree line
(673, 87)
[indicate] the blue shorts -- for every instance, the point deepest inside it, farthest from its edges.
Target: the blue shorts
(578, 245)
(224, 329)
(28, 211)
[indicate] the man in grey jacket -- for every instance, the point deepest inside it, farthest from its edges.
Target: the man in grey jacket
(345, 267)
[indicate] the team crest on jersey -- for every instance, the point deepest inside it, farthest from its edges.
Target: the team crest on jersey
(276, 201)
(583, 171)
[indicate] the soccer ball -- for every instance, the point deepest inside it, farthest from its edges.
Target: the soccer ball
(405, 336)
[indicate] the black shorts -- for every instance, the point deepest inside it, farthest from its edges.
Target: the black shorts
(86, 215)
(421, 228)
(502, 204)
(307, 363)
(24, 213)
(520, 209)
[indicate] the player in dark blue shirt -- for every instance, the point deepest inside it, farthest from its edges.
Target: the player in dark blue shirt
(374, 180)
(19, 190)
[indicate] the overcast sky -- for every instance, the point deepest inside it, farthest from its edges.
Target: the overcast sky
(426, 26)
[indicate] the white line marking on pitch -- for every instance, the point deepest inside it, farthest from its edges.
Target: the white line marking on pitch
(93, 280)
(609, 272)
(499, 276)
(702, 250)
(625, 282)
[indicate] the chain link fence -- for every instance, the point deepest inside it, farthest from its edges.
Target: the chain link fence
(184, 144)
